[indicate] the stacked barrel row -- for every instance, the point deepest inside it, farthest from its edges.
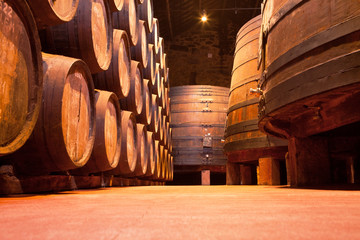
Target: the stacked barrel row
(198, 115)
(249, 151)
(100, 90)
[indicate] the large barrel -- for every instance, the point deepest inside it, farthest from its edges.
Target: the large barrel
(127, 20)
(139, 52)
(145, 116)
(154, 34)
(134, 101)
(64, 135)
(145, 12)
(117, 77)
(87, 36)
(149, 71)
(106, 151)
(21, 75)
(198, 120)
(310, 83)
(128, 154)
(243, 139)
(141, 151)
(50, 12)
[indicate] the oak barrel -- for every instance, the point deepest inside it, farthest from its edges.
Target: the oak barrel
(160, 53)
(243, 139)
(146, 113)
(127, 20)
(311, 78)
(134, 101)
(64, 134)
(53, 12)
(87, 36)
(154, 34)
(21, 75)
(150, 170)
(154, 125)
(145, 12)
(149, 71)
(116, 5)
(107, 146)
(139, 52)
(128, 154)
(117, 77)
(198, 118)
(141, 151)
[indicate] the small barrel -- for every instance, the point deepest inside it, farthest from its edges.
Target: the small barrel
(146, 13)
(87, 36)
(145, 116)
(149, 71)
(243, 139)
(150, 143)
(153, 36)
(116, 5)
(154, 125)
(50, 12)
(141, 152)
(106, 151)
(311, 74)
(21, 75)
(127, 20)
(128, 154)
(139, 52)
(64, 135)
(198, 118)
(117, 77)
(134, 101)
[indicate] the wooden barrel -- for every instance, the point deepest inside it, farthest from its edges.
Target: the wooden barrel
(164, 67)
(150, 143)
(139, 52)
(127, 20)
(117, 77)
(163, 126)
(87, 36)
(134, 101)
(141, 152)
(160, 133)
(145, 12)
(157, 171)
(116, 5)
(156, 87)
(311, 78)
(128, 154)
(50, 12)
(198, 118)
(64, 134)
(166, 79)
(145, 116)
(154, 34)
(107, 146)
(149, 71)
(160, 53)
(243, 139)
(21, 75)
(154, 125)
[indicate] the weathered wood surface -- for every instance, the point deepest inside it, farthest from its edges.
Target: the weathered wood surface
(269, 171)
(198, 117)
(117, 77)
(233, 176)
(87, 36)
(50, 12)
(313, 66)
(127, 20)
(21, 75)
(140, 51)
(64, 135)
(146, 13)
(134, 101)
(128, 154)
(107, 146)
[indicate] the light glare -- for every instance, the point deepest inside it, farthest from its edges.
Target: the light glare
(204, 18)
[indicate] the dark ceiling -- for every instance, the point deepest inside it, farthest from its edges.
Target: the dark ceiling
(176, 16)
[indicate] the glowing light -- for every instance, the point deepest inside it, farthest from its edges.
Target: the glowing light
(204, 18)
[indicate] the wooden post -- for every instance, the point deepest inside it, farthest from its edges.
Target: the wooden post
(245, 172)
(269, 171)
(233, 176)
(350, 170)
(205, 177)
(308, 161)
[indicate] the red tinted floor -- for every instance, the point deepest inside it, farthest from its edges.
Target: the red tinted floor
(189, 212)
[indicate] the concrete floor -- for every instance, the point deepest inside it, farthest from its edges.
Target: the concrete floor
(189, 212)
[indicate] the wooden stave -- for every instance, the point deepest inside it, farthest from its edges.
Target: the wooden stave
(48, 150)
(45, 14)
(127, 161)
(127, 20)
(326, 47)
(99, 160)
(107, 80)
(146, 13)
(134, 101)
(21, 9)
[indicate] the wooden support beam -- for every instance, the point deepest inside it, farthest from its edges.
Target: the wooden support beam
(246, 175)
(205, 177)
(233, 176)
(269, 171)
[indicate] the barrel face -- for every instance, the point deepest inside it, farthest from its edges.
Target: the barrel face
(116, 5)
(138, 91)
(20, 75)
(150, 143)
(145, 11)
(149, 71)
(127, 20)
(198, 117)
(146, 113)
(64, 9)
(303, 68)
(154, 34)
(131, 145)
(124, 65)
(139, 52)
